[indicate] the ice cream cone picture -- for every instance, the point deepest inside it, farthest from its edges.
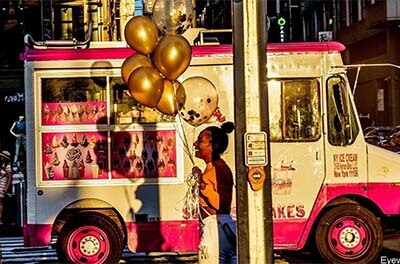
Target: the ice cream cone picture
(49, 171)
(132, 155)
(81, 111)
(59, 111)
(84, 142)
(93, 142)
(95, 171)
(159, 141)
(88, 157)
(64, 142)
(81, 169)
(46, 112)
(74, 112)
(74, 142)
(66, 169)
(46, 169)
(55, 143)
(139, 166)
(171, 163)
(56, 161)
(88, 110)
(170, 144)
(74, 170)
(161, 165)
(135, 140)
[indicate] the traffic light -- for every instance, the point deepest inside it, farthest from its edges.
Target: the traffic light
(281, 23)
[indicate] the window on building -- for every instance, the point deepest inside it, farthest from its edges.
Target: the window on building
(354, 11)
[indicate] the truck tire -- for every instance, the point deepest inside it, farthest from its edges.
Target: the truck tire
(349, 233)
(90, 238)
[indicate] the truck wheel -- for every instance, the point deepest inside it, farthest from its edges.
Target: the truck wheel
(90, 238)
(349, 233)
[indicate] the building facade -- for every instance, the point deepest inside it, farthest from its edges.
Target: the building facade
(370, 29)
(372, 36)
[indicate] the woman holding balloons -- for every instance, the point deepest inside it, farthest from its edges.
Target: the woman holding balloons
(218, 240)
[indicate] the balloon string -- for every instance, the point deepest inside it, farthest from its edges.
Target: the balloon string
(191, 199)
(181, 130)
(184, 139)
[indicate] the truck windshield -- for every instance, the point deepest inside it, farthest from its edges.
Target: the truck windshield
(342, 125)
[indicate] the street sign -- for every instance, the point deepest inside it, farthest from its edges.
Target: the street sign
(255, 149)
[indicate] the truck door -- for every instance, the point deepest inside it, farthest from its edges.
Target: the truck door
(297, 160)
(345, 145)
(345, 232)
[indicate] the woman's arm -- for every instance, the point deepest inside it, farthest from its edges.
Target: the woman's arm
(208, 189)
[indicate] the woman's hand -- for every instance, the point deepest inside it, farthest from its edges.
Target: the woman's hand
(199, 175)
(197, 172)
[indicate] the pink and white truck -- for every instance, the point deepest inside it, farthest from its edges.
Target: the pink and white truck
(104, 172)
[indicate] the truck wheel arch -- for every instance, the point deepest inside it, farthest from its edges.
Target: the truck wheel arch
(89, 206)
(353, 199)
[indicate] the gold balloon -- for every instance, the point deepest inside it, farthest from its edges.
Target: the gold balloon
(141, 34)
(167, 104)
(172, 56)
(145, 85)
(132, 63)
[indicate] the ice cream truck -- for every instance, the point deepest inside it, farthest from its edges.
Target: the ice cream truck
(105, 173)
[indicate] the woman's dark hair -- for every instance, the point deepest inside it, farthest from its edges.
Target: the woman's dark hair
(219, 138)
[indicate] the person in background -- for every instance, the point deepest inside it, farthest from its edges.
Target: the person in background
(18, 130)
(217, 245)
(5, 178)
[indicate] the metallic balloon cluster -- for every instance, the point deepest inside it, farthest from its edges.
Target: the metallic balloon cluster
(151, 73)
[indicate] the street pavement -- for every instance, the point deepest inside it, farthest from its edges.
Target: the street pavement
(13, 251)
(389, 255)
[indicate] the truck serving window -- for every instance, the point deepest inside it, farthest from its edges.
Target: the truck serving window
(126, 110)
(342, 125)
(294, 110)
(75, 100)
(83, 100)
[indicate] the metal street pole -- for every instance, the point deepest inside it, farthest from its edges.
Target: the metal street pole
(254, 202)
